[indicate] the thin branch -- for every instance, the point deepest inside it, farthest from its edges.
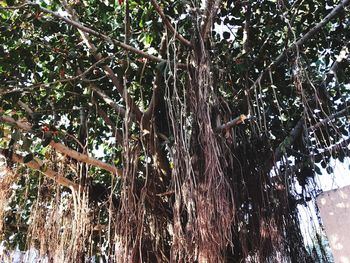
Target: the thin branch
(18, 123)
(169, 25)
(13, 7)
(295, 132)
(120, 110)
(340, 7)
(127, 28)
(329, 118)
(25, 107)
(108, 71)
(40, 85)
(108, 121)
(37, 164)
(339, 145)
(156, 94)
(102, 36)
(247, 30)
(64, 149)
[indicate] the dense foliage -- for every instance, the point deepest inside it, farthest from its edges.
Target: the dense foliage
(169, 131)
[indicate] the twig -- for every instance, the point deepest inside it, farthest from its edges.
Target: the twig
(169, 25)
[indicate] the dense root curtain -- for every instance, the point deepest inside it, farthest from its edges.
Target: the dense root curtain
(204, 207)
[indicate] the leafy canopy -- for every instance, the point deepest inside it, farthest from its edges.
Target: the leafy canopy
(168, 130)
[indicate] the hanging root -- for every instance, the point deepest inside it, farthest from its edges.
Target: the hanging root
(60, 231)
(204, 208)
(7, 179)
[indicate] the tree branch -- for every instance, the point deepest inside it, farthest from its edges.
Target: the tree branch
(37, 164)
(64, 149)
(297, 128)
(127, 23)
(341, 6)
(108, 71)
(238, 120)
(109, 101)
(102, 36)
(329, 118)
(169, 25)
(156, 94)
(211, 10)
(85, 158)
(334, 68)
(295, 132)
(40, 85)
(108, 121)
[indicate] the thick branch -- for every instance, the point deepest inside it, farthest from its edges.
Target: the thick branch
(157, 89)
(64, 149)
(238, 120)
(85, 158)
(37, 165)
(169, 25)
(297, 129)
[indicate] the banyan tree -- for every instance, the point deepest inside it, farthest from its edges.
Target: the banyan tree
(169, 131)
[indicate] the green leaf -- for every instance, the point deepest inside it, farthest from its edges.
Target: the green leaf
(56, 139)
(16, 135)
(329, 170)
(43, 168)
(318, 170)
(47, 139)
(26, 144)
(28, 158)
(10, 2)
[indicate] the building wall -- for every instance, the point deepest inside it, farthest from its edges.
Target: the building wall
(334, 207)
